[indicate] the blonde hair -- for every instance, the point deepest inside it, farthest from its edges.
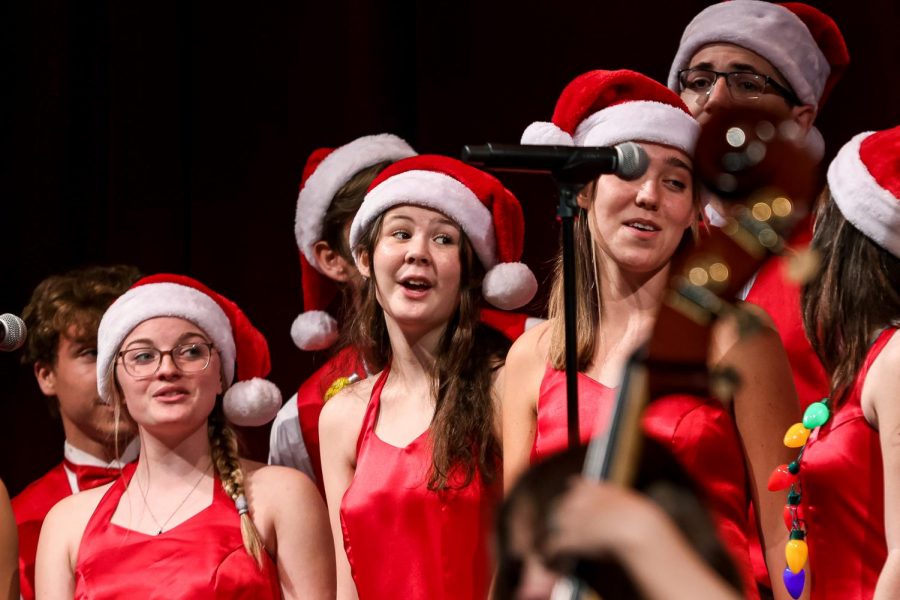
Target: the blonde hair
(223, 443)
(587, 299)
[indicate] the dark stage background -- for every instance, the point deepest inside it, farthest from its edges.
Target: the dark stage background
(172, 135)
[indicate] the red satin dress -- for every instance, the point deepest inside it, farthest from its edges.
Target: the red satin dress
(552, 434)
(842, 479)
(699, 433)
(347, 362)
(405, 541)
(202, 557)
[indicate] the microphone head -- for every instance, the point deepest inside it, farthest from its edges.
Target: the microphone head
(633, 161)
(13, 332)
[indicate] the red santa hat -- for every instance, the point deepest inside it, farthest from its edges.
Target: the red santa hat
(604, 108)
(326, 171)
(251, 400)
(802, 42)
(864, 179)
(487, 212)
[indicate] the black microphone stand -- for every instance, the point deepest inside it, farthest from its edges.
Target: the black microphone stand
(566, 210)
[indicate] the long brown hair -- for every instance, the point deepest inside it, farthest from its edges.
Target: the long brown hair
(587, 300)
(854, 295)
(462, 430)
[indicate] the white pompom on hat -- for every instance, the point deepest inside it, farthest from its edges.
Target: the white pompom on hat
(605, 108)
(488, 213)
(864, 179)
(252, 400)
(326, 171)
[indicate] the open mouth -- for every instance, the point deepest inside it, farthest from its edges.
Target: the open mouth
(641, 225)
(416, 285)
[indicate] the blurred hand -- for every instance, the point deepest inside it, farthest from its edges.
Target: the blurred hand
(593, 519)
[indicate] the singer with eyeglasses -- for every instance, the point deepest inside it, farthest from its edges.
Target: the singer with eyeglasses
(784, 59)
(190, 518)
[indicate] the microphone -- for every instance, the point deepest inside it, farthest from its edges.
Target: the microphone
(628, 160)
(12, 332)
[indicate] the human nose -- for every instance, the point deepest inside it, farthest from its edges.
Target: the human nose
(718, 94)
(647, 195)
(417, 250)
(167, 366)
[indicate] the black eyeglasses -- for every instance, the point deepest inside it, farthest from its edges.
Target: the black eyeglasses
(188, 358)
(697, 84)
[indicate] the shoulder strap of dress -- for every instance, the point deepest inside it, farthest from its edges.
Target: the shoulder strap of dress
(878, 344)
(372, 408)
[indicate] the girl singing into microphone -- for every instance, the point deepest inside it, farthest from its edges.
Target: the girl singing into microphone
(626, 234)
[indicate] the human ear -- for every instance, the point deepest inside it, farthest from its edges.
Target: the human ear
(332, 264)
(362, 263)
(804, 115)
(586, 195)
(46, 378)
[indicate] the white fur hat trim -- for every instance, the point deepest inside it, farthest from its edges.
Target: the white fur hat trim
(334, 171)
(161, 300)
(869, 207)
(639, 120)
(769, 30)
(436, 191)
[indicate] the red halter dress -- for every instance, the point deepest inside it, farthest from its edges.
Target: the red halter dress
(842, 479)
(552, 434)
(404, 540)
(699, 433)
(202, 557)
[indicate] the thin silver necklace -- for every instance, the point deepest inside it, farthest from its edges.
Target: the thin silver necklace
(159, 528)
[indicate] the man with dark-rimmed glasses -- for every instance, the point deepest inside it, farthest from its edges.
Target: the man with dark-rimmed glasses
(783, 59)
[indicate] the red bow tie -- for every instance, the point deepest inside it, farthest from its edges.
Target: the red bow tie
(89, 476)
